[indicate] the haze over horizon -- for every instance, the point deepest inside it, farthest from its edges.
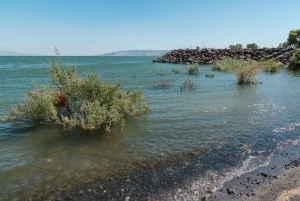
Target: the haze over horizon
(98, 27)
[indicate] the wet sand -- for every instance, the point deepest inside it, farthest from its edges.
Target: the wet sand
(278, 181)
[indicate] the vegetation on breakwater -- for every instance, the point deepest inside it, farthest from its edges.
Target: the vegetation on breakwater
(295, 62)
(74, 101)
(282, 54)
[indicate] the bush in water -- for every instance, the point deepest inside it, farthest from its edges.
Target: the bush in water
(74, 101)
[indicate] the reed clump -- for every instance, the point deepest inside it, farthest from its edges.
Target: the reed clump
(193, 69)
(75, 101)
(246, 75)
(162, 84)
(176, 70)
(187, 84)
(160, 71)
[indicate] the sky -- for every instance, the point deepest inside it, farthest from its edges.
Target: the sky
(91, 27)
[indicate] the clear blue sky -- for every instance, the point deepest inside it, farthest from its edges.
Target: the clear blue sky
(90, 27)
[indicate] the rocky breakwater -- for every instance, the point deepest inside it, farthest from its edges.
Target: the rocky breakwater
(208, 56)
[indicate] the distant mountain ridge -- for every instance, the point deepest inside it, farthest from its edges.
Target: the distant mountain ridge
(10, 53)
(137, 53)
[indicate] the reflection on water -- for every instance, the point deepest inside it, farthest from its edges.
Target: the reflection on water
(193, 138)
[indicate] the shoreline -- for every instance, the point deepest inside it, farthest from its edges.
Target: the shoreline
(277, 181)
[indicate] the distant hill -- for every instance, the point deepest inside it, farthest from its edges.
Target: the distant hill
(137, 53)
(9, 53)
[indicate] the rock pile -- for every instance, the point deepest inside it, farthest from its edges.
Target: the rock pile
(208, 56)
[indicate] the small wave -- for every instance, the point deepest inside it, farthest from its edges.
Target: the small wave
(290, 127)
(213, 180)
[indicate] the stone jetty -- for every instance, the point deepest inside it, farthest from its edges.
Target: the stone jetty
(208, 56)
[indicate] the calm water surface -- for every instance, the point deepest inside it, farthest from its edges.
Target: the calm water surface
(219, 129)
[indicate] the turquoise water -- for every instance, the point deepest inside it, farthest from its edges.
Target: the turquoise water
(219, 129)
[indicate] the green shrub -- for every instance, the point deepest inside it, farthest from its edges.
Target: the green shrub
(252, 46)
(296, 57)
(75, 101)
(295, 62)
(193, 69)
(176, 70)
(227, 64)
(236, 47)
(187, 84)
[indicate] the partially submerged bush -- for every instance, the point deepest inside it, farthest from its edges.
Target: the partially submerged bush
(176, 70)
(187, 84)
(162, 84)
(246, 75)
(295, 62)
(209, 75)
(160, 71)
(193, 69)
(227, 64)
(75, 101)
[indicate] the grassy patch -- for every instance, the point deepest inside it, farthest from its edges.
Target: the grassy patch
(271, 66)
(227, 64)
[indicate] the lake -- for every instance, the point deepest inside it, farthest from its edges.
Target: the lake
(190, 141)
